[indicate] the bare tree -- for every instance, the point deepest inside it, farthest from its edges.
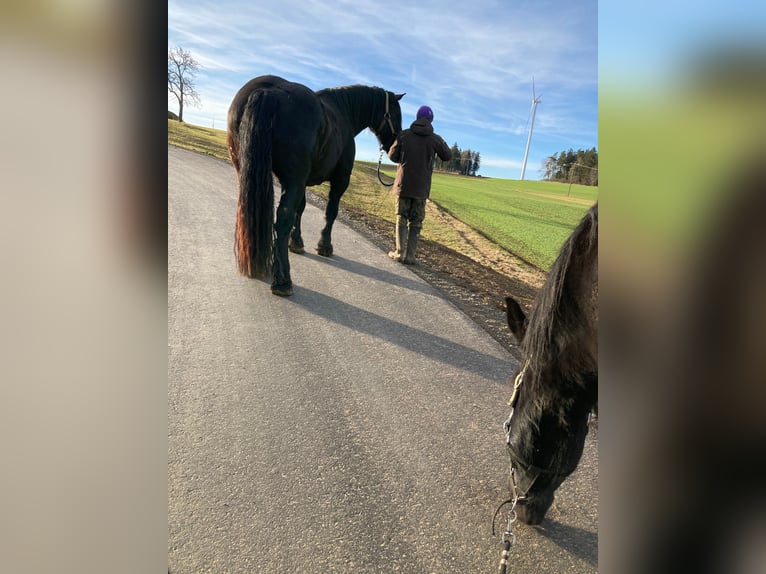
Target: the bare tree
(182, 69)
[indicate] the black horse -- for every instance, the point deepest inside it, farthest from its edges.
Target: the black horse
(557, 386)
(303, 138)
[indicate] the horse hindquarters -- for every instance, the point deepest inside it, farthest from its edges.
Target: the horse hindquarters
(255, 206)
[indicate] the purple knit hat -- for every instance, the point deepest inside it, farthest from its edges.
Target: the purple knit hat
(425, 112)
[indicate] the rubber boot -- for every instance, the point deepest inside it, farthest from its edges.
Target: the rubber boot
(401, 233)
(412, 246)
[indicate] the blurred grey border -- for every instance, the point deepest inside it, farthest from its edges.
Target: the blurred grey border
(83, 360)
(682, 265)
(83, 292)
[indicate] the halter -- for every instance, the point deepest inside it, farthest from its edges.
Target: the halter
(513, 400)
(519, 489)
(386, 118)
(531, 472)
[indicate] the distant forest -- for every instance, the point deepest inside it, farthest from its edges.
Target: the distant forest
(464, 162)
(579, 166)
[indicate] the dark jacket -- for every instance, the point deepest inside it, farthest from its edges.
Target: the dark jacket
(414, 151)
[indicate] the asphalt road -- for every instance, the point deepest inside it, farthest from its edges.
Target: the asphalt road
(353, 427)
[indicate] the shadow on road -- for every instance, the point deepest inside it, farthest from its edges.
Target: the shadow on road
(372, 272)
(413, 339)
(576, 541)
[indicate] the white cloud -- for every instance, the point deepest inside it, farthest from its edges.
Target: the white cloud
(474, 67)
(500, 162)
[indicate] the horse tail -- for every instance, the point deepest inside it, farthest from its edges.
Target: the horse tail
(254, 233)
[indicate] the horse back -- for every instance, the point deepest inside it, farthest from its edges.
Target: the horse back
(295, 124)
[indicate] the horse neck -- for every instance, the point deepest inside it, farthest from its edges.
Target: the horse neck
(359, 104)
(563, 327)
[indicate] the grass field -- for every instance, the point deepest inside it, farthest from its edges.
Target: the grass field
(528, 218)
(531, 219)
(205, 140)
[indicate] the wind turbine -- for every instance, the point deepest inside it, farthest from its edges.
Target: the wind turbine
(535, 101)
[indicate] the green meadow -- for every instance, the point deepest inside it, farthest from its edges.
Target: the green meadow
(530, 219)
(196, 138)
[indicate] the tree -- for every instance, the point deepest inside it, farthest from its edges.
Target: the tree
(454, 163)
(463, 162)
(466, 162)
(182, 69)
(476, 163)
(550, 166)
(576, 167)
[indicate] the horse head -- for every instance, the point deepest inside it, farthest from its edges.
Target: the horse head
(547, 427)
(556, 389)
(388, 123)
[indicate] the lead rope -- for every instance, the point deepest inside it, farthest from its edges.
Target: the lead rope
(380, 160)
(509, 538)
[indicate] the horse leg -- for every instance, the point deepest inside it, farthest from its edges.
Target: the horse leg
(281, 283)
(296, 238)
(338, 187)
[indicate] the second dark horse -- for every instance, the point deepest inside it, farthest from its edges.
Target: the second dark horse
(303, 138)
(550, 411)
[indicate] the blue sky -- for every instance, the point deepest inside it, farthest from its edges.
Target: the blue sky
(473, 63)
(651, 45)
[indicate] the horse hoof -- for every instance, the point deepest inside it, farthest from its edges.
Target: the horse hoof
(298, 249)
(282, 291)
(324, 250)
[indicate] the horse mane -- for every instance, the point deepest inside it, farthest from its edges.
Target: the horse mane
(552, 343)
(362, 102)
